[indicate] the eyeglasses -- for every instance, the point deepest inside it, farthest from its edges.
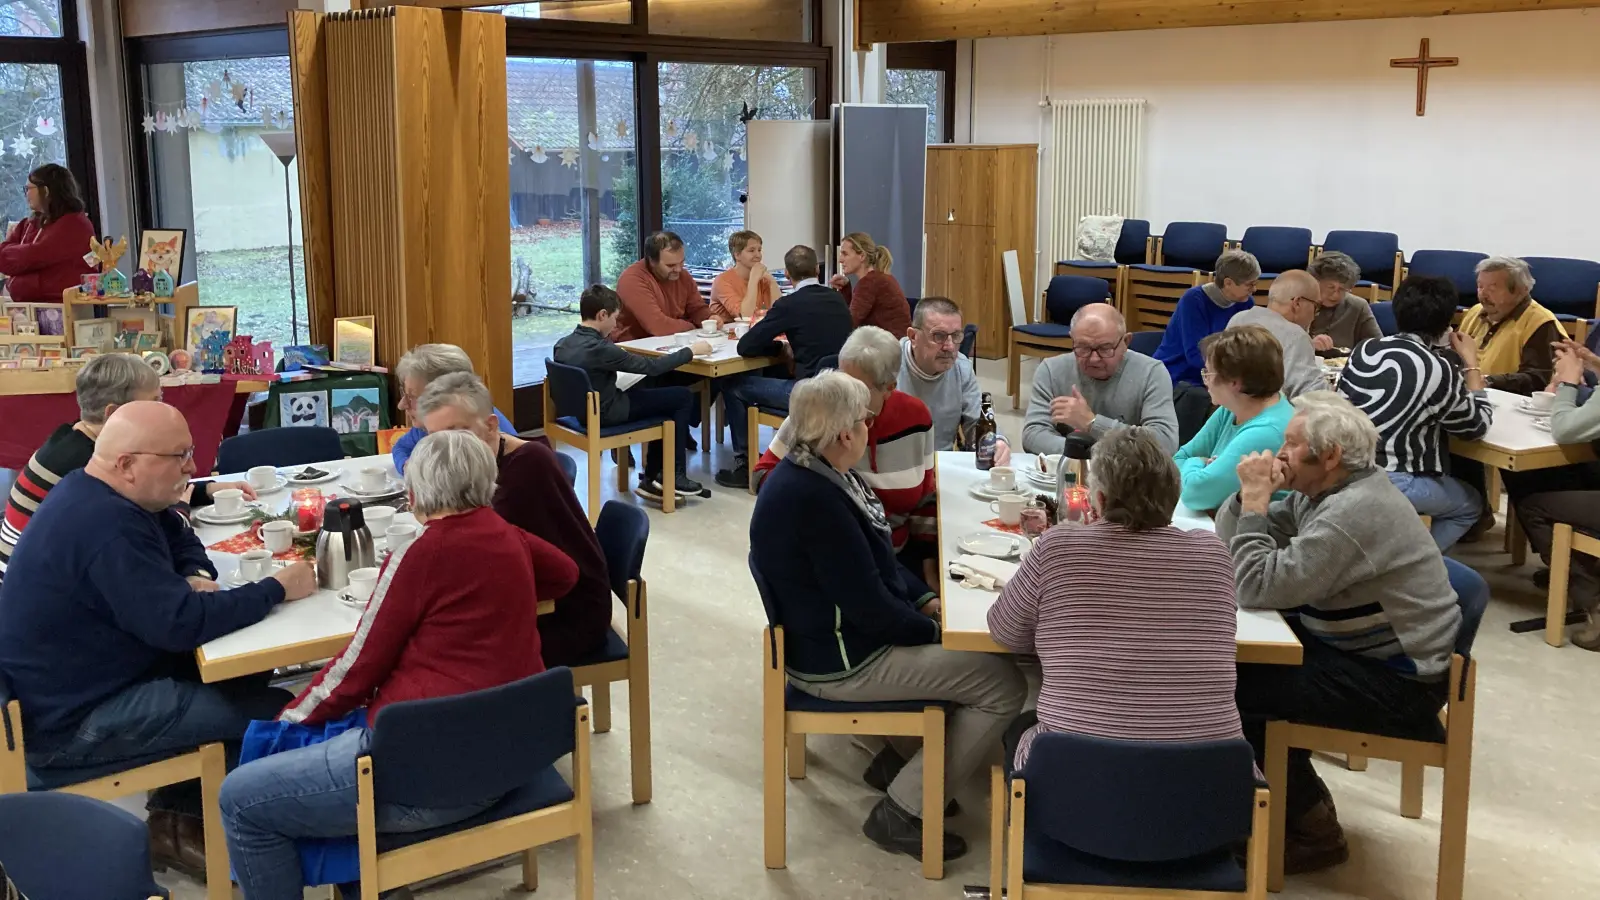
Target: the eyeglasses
(1206, 374)
(941, 338)
(182, 456)
(1104, 352)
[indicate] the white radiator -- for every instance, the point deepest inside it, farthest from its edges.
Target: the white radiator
(1096, 157)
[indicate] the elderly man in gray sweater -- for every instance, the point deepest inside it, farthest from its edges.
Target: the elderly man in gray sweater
(933, 370)
(1377, 616)
(1099, 386)
(1291, 307)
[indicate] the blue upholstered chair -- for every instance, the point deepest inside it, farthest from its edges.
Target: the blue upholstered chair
(455, 751)
(1570, 288)
(291, 446)
(1377, 253)
(788, 714)
(1383, 311)
(569, 467)
(623, 531)
(1146, 342)
(1135, 246)
(572, 417)
(208, 763)
(1445, 743)
(1278, 248)
(1457, 265)
(62, 847)
(1191, 245)
(1064, 297)
(1134, 818)
(969, 340)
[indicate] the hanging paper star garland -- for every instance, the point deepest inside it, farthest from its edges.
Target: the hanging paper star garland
(171, 126)
(622, 128)
(149, 125)
(690, 141)
(569, 158)
(538, 155)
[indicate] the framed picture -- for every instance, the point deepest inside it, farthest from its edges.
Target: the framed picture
(24, 351)
(148, 340)
(5, 325)
(161, 250)
(52, 318)
(5, 351)
(354, 410)
(101, 333)
(304, 408)
(20, 314)
(85, 352)
(297, 356)
(29, 362)
(51, 353)
(206, 323)
(354, 340)
(10, 364)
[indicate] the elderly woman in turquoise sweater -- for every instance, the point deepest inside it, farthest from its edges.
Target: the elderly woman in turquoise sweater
(1244, 375)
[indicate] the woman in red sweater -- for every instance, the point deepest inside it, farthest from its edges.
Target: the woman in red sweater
(876, 297)
(43, 254)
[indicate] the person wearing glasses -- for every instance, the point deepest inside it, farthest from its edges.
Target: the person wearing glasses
(43, 254)
(1291, 307)
(1099, 386)
(103, 384)
(108, 595)
(1244, 375)
(933, 370)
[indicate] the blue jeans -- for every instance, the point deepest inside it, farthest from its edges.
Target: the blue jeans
(745, 392)
(305, 793)
(1453, 504)
(676, 403)
(162, 717)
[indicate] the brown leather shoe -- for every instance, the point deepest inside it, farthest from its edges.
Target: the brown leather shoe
(1587, 634)
(192, 846)
(1314, 842)
(163, 828)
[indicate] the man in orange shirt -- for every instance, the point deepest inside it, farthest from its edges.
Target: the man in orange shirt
(658, 296)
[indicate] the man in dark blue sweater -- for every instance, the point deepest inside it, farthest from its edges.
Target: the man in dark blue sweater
(815, 320)
(108, 595)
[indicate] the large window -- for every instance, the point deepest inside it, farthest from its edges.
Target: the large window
(704, 169)
(41, 63)
(574, 193)
(212, 174)
(925, 74)
(924, 86)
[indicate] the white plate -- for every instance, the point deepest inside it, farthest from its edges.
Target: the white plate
(393, 488)
(207, 515)
(1040, 478)
(1526, 406)
(305, 482)
(996, 544)
(983, 491)
(1542, 424)
(234, 579)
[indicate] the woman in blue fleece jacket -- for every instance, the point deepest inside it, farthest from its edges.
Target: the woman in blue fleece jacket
(1206, 310)
(1244, 373)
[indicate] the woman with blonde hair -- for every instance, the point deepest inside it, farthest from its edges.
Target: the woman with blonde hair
(875, 298)
(746, 290)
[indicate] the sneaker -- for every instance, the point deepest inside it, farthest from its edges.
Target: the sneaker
(736, 477)
(689, 443)
(684, 486)
(650, 489)
(1587, 633)
(885, 767)
(1541, 579)
(898, 831)
(1315, 842)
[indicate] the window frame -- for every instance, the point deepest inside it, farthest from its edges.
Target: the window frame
(931, 56)
(70, 56)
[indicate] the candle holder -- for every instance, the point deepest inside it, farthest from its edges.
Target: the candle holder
(307, 505)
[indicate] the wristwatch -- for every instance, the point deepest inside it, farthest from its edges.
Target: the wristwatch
(1571, 384)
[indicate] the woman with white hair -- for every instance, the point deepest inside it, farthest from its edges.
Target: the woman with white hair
(453, 612)
(857, 625)
(1343, 320)
(1516, 336)
(1377, 615)
(415, 371)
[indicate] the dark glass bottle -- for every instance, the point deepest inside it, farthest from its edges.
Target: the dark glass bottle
(985, 433)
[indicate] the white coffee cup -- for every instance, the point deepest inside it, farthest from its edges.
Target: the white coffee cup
(278, 535)
(400, 535)
(1003, 478)
(1048, 463)
(262, 478)
(1542, 401)
(378, 518)
(709, 326)
(1009, 507)
(362, 581)
(229, 502)
(372, 479)
(255, 565)
(685, 338)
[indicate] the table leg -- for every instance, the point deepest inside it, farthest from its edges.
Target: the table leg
(1516, 540)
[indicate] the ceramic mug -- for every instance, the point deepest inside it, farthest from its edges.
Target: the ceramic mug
(262, 478)
(362, 582)
(708, 327)
(377, 518)
(1010, 507)
(372, 479)
(278, 536)
(1542, 401)
(399, 536)
(229, 502)
(1003, 478)
(255, 565)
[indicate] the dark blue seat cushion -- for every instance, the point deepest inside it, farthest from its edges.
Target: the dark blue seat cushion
(1045, 861)
(1154, 268)
(611, 430)
(1045, 329)
(1089, 264)
(615, 649)
(50, 779)
(545, 790)
(796, 700)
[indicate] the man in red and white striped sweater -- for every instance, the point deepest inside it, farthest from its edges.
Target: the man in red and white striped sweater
(898, 465)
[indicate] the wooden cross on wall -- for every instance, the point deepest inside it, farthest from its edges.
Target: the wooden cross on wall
(1422, 62)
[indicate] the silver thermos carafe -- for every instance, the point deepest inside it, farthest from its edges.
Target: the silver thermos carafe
(344, 545)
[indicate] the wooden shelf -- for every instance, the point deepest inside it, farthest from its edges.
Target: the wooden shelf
(32, 339)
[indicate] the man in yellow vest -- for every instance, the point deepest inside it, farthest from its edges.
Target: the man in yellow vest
(1516, 336)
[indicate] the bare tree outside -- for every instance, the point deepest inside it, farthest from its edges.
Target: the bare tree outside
(32, 130)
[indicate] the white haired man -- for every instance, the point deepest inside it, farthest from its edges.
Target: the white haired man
(1516, 336)
(1377, 616)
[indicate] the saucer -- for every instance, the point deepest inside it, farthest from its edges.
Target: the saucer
(392, 488)
(1542, 424)
(996, 544)
(983, 491)
(208, 515)
(1526, 407)
(235, 580)
(324, 478)
(1040, 478)
(282, 483)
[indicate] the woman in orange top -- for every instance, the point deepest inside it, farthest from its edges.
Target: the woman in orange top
(748, 289)
(876, 297)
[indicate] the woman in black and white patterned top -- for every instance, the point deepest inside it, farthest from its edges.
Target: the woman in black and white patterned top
(1416, 397)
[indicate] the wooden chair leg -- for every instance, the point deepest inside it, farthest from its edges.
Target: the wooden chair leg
(669, 467)
(1277, 775)
(594, 485)
(1453, 836)
(1555, 610)
(1014, 371)
(1255, 868)
(1411, 790)
(530, 869)
(1516, 539)
(797, 756)
(624, 461)
(997, 829)
(773, 787)
(602, 707)
(1355, 763)
(639, 733)
(213, 768)
(933, 793)
(1016, 814)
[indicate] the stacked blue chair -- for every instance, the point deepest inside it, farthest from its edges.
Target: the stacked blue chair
(1460, 266)
(292, 446)
(1146, 342)
(1135, 247)
(1091, 816)
(1150, 292)
(1383, 311)
(1278, 249)
(1064, 297)
(1191, 245)
(572, 417)
(1378, 255)
(65, 847)
(1570, 288)
(1445, 743)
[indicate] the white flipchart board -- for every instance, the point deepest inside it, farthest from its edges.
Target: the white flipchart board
(788, 194)
(1019, 311)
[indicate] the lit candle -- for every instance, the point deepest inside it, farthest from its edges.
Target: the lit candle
(308, 504)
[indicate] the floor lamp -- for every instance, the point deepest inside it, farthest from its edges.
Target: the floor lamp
(281, 143)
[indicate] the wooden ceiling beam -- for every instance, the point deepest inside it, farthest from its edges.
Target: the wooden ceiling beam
(888, 21)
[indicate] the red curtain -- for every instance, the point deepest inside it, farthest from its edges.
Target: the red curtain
(26, 420)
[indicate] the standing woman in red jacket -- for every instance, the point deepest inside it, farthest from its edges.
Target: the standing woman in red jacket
(876, 297)
(43, 255)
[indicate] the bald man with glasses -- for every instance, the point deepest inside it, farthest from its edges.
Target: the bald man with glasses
(108, 595)
(1291, 307)
(1099, 386)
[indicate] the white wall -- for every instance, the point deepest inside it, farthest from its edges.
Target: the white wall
(1308, 125)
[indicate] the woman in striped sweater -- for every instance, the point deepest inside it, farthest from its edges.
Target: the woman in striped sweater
(1132, 618)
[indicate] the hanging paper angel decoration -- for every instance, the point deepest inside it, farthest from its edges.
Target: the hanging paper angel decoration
(538, 155)
(45, 126)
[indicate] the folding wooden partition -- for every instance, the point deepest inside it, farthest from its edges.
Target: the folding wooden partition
(400, 117)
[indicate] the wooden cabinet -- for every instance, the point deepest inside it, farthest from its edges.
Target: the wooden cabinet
(982, 200)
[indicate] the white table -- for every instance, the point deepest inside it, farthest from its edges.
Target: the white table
(1262, 637)
(724, 360)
